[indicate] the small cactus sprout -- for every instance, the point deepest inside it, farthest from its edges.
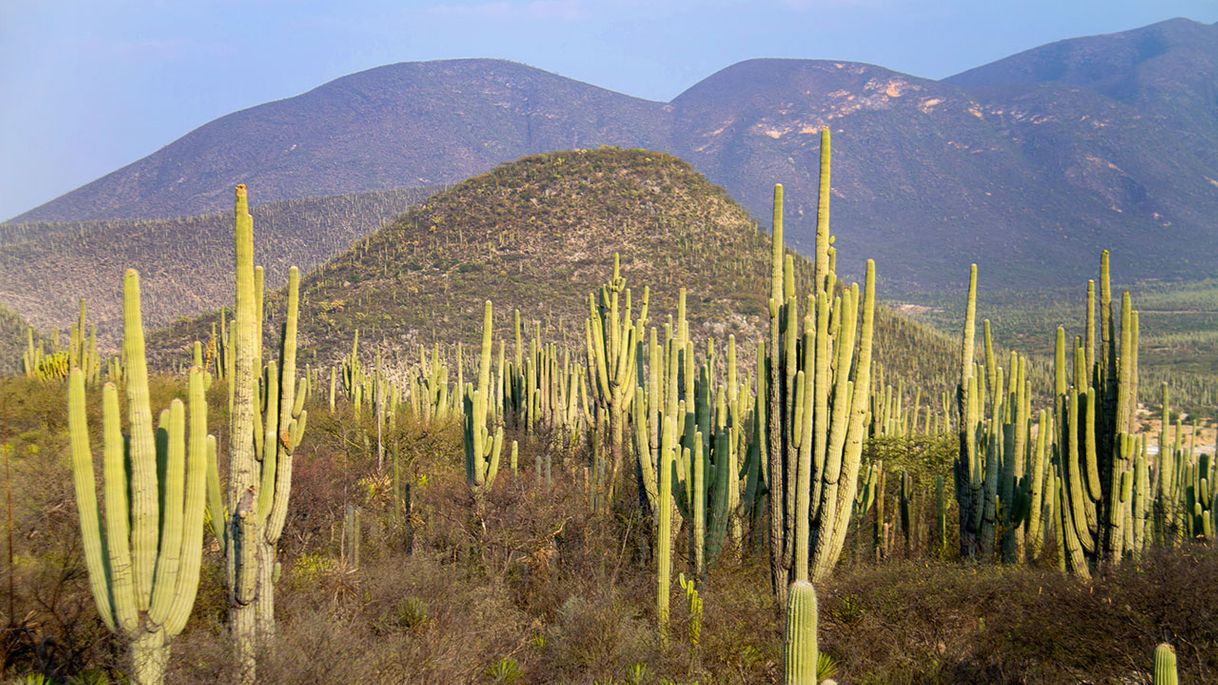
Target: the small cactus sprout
(800, 667)
(1165, 665)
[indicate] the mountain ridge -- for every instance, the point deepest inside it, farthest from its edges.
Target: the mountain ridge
(1033, 175)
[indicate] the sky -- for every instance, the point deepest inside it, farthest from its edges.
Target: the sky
(91, 86)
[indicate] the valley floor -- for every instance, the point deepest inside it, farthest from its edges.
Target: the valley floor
(532, 586)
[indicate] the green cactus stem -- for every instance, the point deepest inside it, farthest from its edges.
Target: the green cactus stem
(1165, 665)
(144, 566)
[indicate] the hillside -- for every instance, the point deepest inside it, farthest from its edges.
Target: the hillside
(12, 340)
(539, 235)
(185, 264)
(1027, 166)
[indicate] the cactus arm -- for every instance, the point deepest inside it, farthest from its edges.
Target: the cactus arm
(114, 466)
(169, 555)
(801, 647)
(1165, 665)
(86, 499)
(145, 513)
(200, 447)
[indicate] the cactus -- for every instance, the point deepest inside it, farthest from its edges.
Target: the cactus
(267, 422)
(144, 567)
(663, 505)
(801, 653)
(1000, 471)
(351, 538)
(1165, 665)
(1095, 404)
(819, 395)
(970, 465)
(695, 609)
(482, 447)
(613, 337)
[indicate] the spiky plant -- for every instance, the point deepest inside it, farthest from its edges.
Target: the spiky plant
(144, 566)
(819, 395)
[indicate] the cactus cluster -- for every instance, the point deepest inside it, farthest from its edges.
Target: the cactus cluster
(891, 418)
(53, 364)
(483, 424)
(613, 335)
(1001, 471)
(1095, 406)
(1182, 501)
(819, 387)
(144, 563)
(714, 449)
(1079, 474)
(544, 392)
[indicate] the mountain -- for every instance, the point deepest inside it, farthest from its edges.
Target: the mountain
(416, 124)
(1170, 60)
(1028, 166)
(185, 264)
(539, 235)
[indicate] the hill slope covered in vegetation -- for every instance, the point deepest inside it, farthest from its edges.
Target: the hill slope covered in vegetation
(185, 263)
(539, 235)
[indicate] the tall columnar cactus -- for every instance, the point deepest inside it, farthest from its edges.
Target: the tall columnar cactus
(144, 566)
(483, 439)
(819, 395)
(353, 377)
(240, 534)
(663, 504)
(970, 465)
(82, 350)
(613, 337)
(1095, 403)
(717, 428)
(800, 663)
(267, 421)
(1167, 529)
(1000, 471)
(283, 396)
(32, 355)
(1165, 665)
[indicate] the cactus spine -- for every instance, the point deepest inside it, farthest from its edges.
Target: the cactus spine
(144, 568)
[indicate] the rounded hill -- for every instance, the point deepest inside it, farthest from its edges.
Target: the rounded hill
(539, 235)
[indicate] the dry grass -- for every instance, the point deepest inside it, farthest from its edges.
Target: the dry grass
(530, 586)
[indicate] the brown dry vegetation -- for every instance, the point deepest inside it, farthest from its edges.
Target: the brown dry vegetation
(531, 586)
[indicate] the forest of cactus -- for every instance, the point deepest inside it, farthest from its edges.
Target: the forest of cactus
(841, 493)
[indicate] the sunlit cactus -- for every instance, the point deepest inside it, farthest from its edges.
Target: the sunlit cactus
(144, 565)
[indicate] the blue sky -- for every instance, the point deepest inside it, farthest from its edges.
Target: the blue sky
(91, 86)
